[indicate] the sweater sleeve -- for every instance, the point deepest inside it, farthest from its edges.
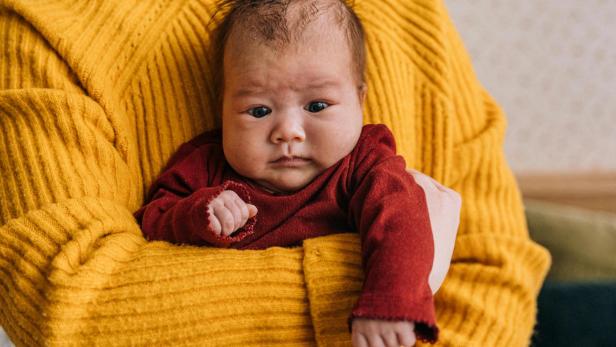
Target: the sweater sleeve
(389, 209)
(177, 207)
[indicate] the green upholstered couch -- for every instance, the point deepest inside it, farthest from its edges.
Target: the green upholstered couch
(577, 305)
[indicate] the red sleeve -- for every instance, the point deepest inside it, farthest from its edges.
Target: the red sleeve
(389, 209)
(176, 208)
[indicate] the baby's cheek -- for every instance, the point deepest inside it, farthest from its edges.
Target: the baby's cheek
(334, 152)
(250, 165)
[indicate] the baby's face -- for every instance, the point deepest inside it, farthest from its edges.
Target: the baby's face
(291, 113)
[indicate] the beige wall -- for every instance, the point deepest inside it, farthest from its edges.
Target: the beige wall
(551, 64)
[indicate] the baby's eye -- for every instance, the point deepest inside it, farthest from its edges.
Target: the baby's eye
(259, 112)
(316, 106)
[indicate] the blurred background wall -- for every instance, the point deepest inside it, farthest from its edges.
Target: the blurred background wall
(551, 64)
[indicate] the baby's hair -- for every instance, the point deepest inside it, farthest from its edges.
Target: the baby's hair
(267, 20)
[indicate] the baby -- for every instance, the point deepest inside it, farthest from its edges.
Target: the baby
(293, 161)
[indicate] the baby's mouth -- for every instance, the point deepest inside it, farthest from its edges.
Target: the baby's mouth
(290, 161)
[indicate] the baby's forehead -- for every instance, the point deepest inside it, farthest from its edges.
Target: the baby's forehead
(295, 26)
(316, 38)
(310, 57)
(321, 26)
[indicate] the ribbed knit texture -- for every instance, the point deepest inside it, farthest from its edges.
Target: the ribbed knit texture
(94, 98)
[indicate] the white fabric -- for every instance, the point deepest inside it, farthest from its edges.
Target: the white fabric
(4, 340)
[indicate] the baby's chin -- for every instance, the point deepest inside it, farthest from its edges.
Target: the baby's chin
(286, 184)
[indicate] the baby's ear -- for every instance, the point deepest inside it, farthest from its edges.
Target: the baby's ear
(362, 91)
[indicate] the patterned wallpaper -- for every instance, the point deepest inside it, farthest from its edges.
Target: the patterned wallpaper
(551, 64)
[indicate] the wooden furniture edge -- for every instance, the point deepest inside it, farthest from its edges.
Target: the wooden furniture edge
(595, 191)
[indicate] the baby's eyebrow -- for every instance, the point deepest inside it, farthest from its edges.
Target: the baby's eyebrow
(248, 87)
(255, 88)
(323, 84)
(242, 92)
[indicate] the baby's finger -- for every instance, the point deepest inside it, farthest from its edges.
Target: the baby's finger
(243, 207)
(252, 210)
(406, 340)
(359, 340)
(234, 207)
(390, 339)
(405, 331)
(375, 340)
(214, 223)
(226, 219)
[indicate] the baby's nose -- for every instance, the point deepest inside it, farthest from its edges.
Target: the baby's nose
(288, 129)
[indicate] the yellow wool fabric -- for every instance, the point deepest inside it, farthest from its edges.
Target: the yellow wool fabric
(96, 95)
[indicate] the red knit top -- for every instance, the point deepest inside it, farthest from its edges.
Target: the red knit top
(368, 191)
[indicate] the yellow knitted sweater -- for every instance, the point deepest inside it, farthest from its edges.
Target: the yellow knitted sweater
(96, 95)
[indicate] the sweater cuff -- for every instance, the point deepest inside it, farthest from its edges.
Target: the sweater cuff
(419, 311)
(201, 216)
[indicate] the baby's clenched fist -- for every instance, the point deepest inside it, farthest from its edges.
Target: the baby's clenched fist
(228, 212)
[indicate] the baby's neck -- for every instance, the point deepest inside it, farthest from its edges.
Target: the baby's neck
(270, 190)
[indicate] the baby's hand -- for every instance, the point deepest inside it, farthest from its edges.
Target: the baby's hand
(228, 212)
(382, 333)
